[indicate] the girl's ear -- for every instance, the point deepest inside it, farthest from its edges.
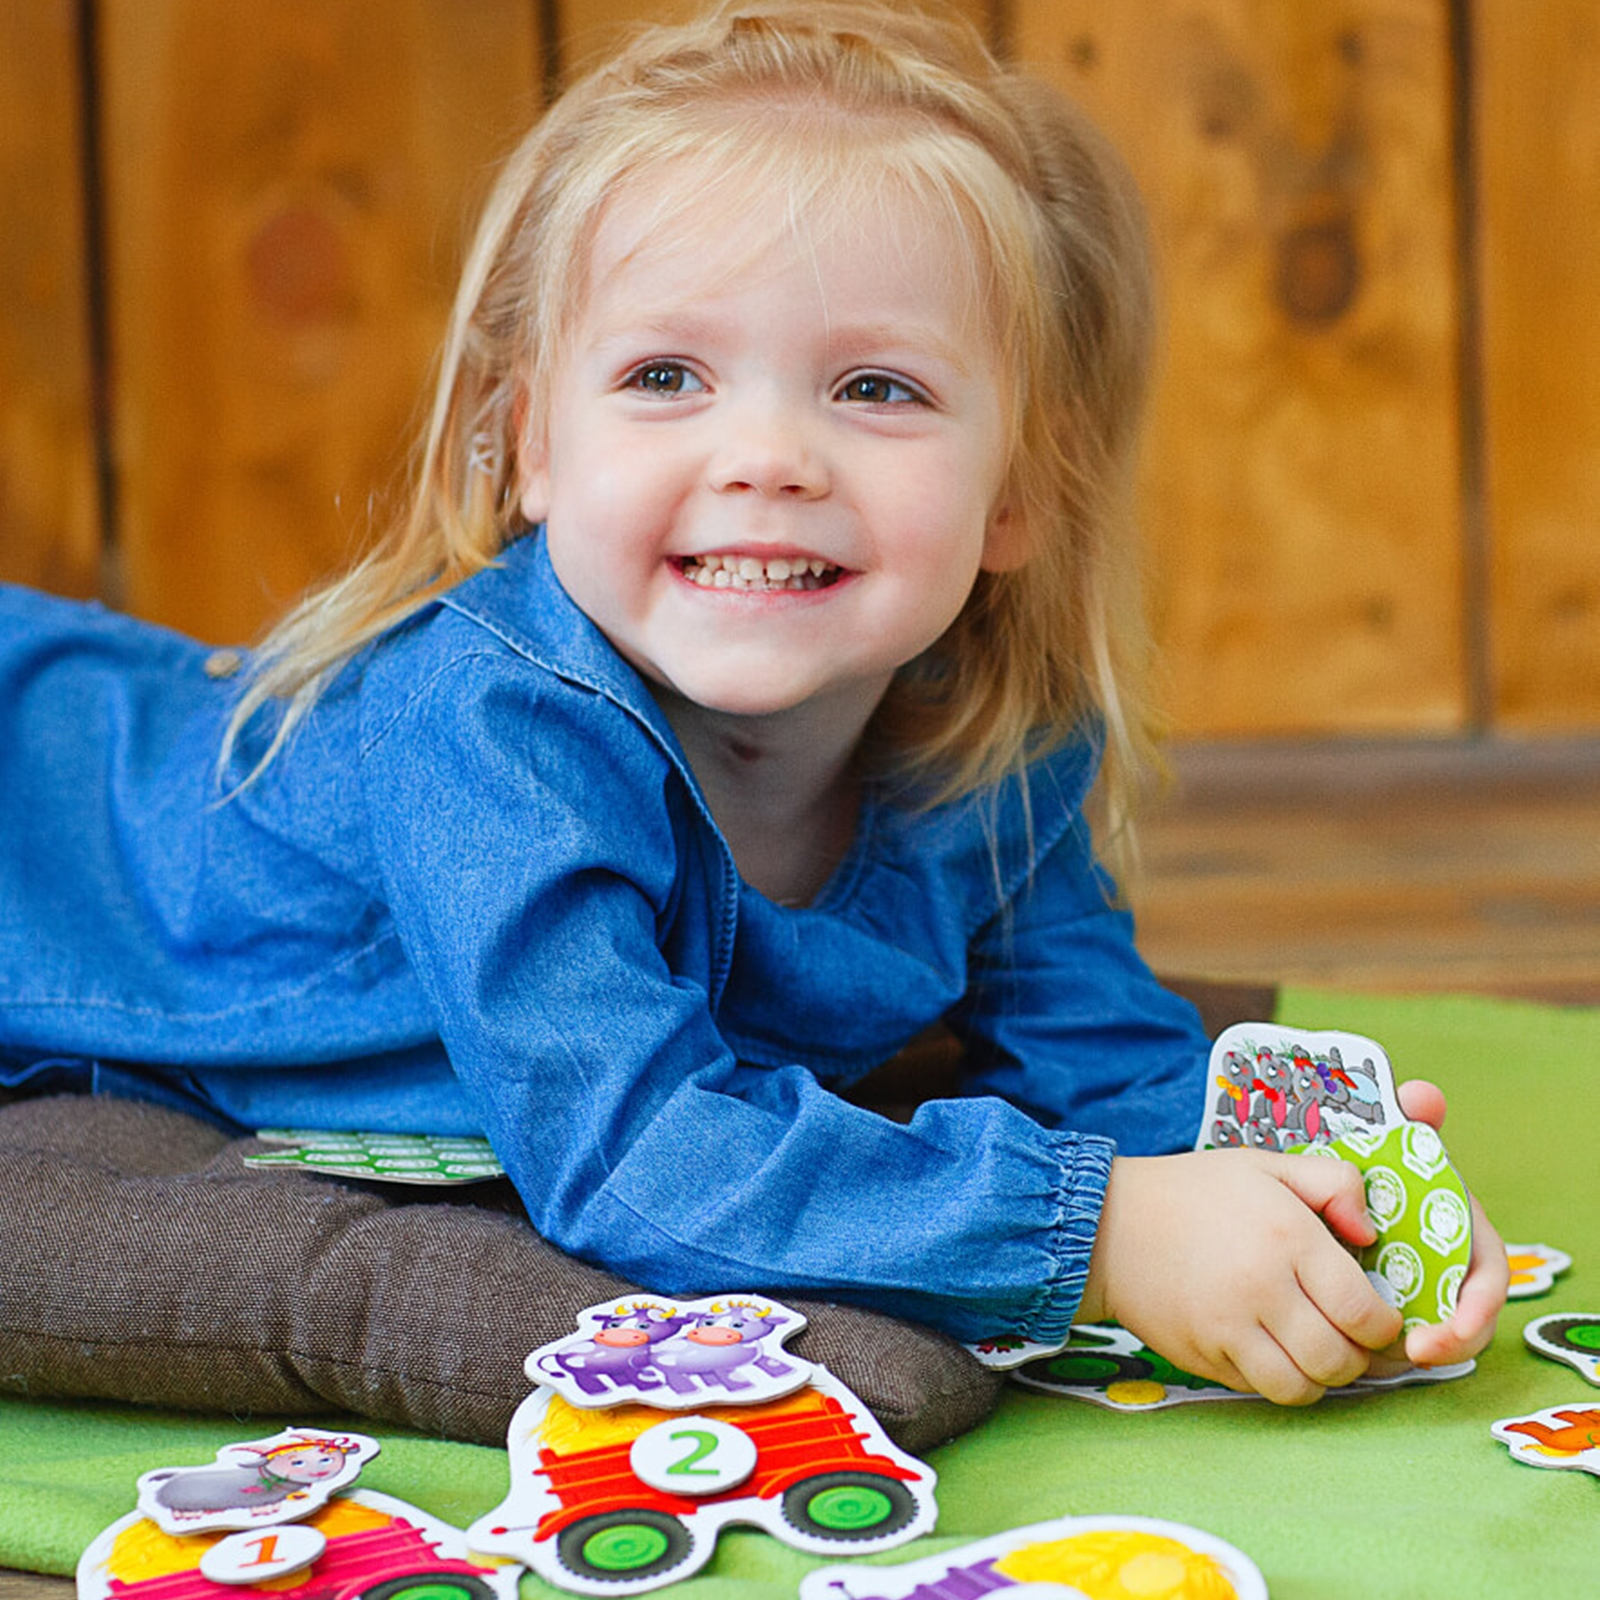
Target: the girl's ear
(1006, 545)
(533, 465)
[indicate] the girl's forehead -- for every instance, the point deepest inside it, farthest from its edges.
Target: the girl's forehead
(686, 235)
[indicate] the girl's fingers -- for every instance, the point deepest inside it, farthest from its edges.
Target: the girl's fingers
(1335, 1190)
(1422, 1102)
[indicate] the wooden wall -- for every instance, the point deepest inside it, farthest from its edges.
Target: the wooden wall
(228, 236)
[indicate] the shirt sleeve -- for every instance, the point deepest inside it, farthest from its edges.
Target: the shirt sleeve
(1065, 1019)
(532, 876)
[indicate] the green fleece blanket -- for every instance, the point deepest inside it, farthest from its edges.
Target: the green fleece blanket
(1401, 1494)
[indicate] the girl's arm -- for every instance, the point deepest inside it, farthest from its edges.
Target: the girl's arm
(534, 881)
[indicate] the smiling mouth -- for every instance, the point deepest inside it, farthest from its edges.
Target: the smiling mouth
(793, 573)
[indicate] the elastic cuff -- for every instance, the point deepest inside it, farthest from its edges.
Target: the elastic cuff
(1085, 1172)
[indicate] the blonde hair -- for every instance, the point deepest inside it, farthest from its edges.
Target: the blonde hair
(783, 93)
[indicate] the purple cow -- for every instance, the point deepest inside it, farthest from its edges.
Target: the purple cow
(714, 1344)
(620, 1353)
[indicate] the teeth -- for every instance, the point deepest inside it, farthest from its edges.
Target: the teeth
(750, 572)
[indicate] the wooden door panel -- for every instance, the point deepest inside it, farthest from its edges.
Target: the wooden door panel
(1302, 474)
(289, 190)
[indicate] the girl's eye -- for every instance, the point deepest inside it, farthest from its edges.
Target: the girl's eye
(878, 389)
(663, 377)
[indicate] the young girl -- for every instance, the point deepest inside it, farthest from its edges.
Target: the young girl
(723, 714)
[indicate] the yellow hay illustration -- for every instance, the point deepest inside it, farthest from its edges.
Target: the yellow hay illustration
(567, 1429)
(142, 1550)
(1121, 1564)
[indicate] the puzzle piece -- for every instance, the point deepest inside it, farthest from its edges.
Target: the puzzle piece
(1110, 1367)
(1273, 1088)
(812, 1467)
(1534, 1269)
(382, 1157)
(1095, 1558)
(1558, 1436)
(675, 1353)
(360, 1543)
(256, 1484)
(1572, 1338)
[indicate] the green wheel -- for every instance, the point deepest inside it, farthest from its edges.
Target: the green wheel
(619, 1545)
(848, 1506)
(430, 1586)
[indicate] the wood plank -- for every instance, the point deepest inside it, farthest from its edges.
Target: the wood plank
(1302, 472)
(1538, 146)
(1456, 867)
(289, 194)
(49, 515)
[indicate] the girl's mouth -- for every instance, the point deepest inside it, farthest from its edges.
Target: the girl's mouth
(793, 573)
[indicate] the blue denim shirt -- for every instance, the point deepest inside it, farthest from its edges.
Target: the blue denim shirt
(481, 892)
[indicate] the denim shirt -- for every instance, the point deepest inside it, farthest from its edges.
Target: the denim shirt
(481, 892)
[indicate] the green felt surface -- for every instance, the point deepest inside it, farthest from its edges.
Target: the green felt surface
(1402, 1494)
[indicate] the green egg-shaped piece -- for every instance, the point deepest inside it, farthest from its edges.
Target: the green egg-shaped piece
(1423, 1217)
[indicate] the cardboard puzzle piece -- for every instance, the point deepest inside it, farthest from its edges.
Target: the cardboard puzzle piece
(382, 1157)
(1109, 1366)
(1423, 1215)
(360, 1543)
(256, 1484)
(1092, 1558)
(1534, 1269)
(1570, 1337)
(675, 1353)
(1558, 1436)
(1276, 1088)
(1331, 1094)
(627, 1498)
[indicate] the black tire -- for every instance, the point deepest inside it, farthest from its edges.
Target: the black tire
(617, 1546)
(848, 1506)
(1087, 1369)
(429, 1586)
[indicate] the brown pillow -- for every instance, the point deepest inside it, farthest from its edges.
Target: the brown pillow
(140, 1260)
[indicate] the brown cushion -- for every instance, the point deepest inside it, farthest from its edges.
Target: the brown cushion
(140, 1260)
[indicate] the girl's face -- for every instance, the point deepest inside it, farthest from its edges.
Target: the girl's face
(772, 471)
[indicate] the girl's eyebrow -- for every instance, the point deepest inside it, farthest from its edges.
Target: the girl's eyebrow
(891, 340)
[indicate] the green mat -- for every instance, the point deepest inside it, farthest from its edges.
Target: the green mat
(1402, 1494)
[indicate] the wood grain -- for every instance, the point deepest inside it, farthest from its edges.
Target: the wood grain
(287, 210)
(1302, 478)
(1538, 142)
(49, 510)
(1392, 867)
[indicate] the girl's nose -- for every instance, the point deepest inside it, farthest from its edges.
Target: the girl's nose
(767, 450)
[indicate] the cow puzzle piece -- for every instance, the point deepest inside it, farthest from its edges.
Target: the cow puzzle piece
(1570, 1337)
(1534, 1269)
(675, 1353)
(1558, 1436)
(255, 1484)
(618, 1499)
(1094, 1558)
(417, 1158)
(359, 1546)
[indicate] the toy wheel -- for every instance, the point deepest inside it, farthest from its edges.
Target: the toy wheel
(848, 1505)
(1088, 1369)
(430, 1586)
(623, 1544)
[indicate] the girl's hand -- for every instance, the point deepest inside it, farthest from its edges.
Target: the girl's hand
(1228, 1262)
(1483, 1290)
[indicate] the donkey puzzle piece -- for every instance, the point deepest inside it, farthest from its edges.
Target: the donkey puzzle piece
(1087, 1557)
(256, 1484)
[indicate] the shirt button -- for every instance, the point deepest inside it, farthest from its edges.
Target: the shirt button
(223, 663)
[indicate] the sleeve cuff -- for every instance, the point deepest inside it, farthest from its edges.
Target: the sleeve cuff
(1085, 1170)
